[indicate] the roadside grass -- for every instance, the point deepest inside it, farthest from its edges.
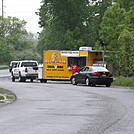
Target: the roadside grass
(124, 81)
(10, 97)
(6, 95)
(4, 91)
(1, 97)
(2, 68)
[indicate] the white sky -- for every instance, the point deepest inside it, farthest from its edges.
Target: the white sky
(23, 9)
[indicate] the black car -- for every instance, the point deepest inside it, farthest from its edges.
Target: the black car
(91, 75)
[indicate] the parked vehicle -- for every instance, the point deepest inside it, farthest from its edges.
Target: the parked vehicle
(91, 75)
(26, 69)
(57, 65)
(12, 64)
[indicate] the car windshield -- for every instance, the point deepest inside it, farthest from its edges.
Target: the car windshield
(28, 64)
(99, 69)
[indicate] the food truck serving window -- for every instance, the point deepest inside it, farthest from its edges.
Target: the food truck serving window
(80, 61)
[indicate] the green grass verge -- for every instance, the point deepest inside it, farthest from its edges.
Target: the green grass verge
(10, 97)
(1, 97)
(2, 68)
(4, 91)
(124, 81)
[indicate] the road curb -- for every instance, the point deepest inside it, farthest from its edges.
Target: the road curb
(7, 101)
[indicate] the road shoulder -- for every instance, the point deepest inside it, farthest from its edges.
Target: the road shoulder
(6, 97)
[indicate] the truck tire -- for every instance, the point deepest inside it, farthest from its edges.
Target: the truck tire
(12, 77)
(43, 81)
(21, 79)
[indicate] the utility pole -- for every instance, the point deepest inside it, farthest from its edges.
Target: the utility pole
(2, 8)
(103, 54)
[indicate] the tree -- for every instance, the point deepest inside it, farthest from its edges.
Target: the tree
(126, 4)
(112, 25)
(29, 54)
(60, 19)
(69, 24)
(127, 53)
(126, 38)
(6, 51)
(117, 32)
(14, 39)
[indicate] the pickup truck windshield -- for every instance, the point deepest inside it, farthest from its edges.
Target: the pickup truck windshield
(28, 64)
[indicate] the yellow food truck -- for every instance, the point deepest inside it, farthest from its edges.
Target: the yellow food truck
(57, 64)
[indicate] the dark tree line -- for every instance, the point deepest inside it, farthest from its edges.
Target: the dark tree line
(69, 24)
(15, 42)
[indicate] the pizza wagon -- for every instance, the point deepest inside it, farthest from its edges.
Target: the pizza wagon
(58, 65)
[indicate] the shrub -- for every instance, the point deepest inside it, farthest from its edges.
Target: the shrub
(1, 98)
(124, 81)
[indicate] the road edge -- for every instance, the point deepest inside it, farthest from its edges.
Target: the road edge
(7, 101)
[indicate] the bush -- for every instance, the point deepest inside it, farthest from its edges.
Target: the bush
(124, 81)
(1, 98)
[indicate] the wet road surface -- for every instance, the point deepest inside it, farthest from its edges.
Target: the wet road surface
(62, 108)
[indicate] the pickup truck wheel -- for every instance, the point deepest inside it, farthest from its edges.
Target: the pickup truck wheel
(12, 77)
(21, 79)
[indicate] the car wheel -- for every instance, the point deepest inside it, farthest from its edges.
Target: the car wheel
(73, 81)
(31, 80)
(87, 82)
(108, 85)
(93, 84)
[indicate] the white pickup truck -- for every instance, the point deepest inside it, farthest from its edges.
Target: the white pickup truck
(27, 69)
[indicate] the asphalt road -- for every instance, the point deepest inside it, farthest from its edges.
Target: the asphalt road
(62, 108)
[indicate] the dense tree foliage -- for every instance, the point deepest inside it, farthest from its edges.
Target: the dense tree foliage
(6, 51)
(126, 4)
(15, 40)
(117, 33)
(69, 24)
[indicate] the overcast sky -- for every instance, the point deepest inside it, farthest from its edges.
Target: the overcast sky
(23, 9)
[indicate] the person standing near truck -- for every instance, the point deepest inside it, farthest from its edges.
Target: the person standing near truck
(74, 68)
